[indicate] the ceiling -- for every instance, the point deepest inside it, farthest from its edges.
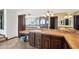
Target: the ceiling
(37, 12)
(65, 10)
(52, 10)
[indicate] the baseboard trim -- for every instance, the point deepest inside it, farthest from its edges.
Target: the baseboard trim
(2, 35)
(13, 37)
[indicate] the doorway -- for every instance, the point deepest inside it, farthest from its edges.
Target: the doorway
(21, 22)
(22, 27)
(53, 22)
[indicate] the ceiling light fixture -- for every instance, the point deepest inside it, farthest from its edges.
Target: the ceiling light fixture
(49, 13)
(68, 16)
(52, 14)
(28, 15)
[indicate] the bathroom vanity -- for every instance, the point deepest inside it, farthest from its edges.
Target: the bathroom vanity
(53, 39)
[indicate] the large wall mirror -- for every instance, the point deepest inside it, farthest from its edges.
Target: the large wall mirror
(32, 22)
(1, 19)
(36, 22)
(66, 22)
(43, 21)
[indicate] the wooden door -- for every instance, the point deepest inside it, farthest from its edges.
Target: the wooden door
(53, 22)
(76, 22)
(21, 23)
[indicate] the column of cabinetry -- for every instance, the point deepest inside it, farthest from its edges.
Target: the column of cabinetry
(46, 41)
(32, 39)
(38, 40)
(35, 40)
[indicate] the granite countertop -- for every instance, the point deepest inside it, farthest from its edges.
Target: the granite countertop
(72, 38)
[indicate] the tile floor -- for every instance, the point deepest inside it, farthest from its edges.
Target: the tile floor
(15, 44)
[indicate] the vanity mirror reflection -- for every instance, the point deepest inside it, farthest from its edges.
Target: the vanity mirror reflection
(32, 22)
(36, 22)
(43, 22)
(66, 22)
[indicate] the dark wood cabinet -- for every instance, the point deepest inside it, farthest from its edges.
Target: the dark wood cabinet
(38, 40)
(35, 39)
(53, 42)
(46, 41)
(76, 22)
(32, 39)
(57, 42)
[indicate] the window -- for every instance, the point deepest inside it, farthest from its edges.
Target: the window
(1, 19)
(32, 22)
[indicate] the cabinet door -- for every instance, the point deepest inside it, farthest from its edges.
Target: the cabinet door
(53, 22)
(76, 22)
(38, 40)
(56, 42)
(21, 22)
(46, 41)
(31, 39)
